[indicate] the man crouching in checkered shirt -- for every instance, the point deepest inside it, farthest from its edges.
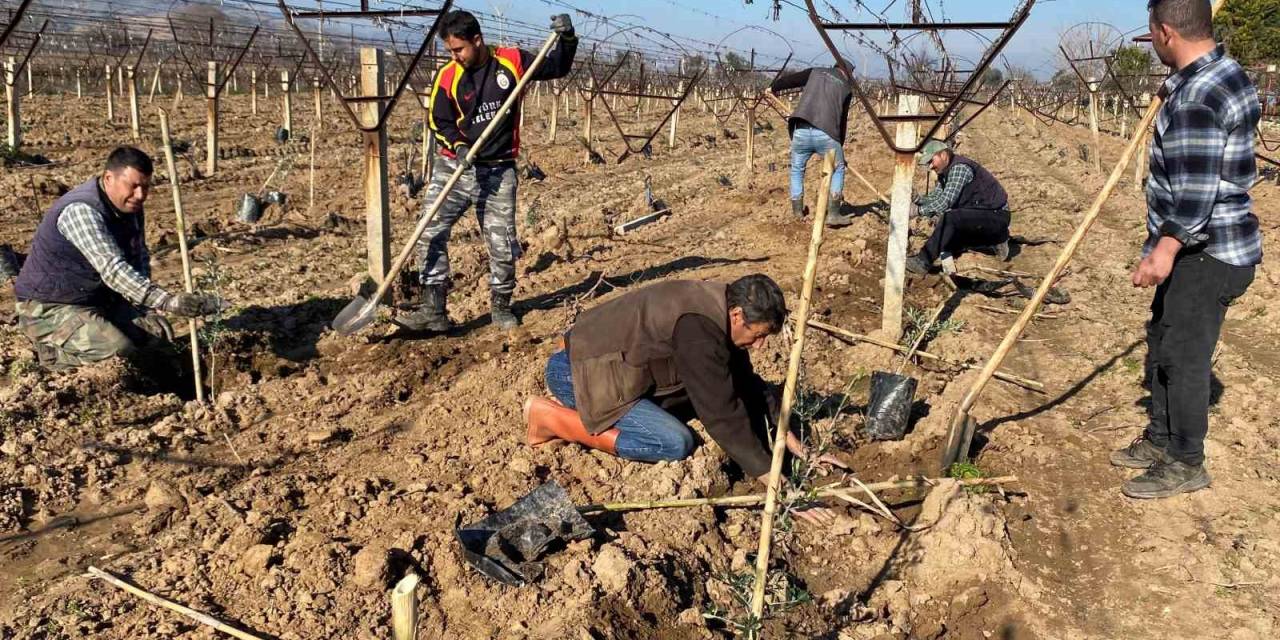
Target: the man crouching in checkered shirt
(1203, 241)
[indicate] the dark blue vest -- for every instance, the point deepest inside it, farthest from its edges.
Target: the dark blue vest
(983, 192)
(56, 271)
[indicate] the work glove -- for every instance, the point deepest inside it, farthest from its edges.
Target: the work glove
(155, 325)
(562, 25)
(194, 305)
(461, 151)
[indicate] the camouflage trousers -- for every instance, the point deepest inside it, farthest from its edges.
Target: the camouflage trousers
(68, 335)
(492, 189)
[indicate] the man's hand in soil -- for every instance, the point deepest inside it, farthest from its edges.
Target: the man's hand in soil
(798, 450)
(194, 305)
(156, 325)
(1158, 264)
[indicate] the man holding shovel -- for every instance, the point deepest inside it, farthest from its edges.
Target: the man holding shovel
(817, 125)
(1202, 242)
(970, 207)
(466, 95)
(85, 293)
(628, 367)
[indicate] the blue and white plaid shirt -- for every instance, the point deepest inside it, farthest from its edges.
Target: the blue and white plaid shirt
(1202, 163)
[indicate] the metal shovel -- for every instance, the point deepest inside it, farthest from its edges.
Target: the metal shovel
(360, 312)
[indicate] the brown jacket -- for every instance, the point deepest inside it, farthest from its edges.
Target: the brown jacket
(623, 349)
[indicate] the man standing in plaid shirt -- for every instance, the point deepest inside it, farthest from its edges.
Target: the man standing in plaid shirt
(1203, 241)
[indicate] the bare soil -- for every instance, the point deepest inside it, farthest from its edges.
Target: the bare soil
(325, 467)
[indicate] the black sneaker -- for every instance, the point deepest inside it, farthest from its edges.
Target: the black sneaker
(1166, 479)
(1140, 454)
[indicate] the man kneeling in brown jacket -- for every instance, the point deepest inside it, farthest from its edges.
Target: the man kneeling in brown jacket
(630, 363)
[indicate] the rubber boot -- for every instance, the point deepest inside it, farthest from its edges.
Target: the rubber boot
(797, 207)
(835, 219)
(500, 311)
(431, 314)
(548, 420)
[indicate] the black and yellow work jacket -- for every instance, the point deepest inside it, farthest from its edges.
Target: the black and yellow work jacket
(464, 101)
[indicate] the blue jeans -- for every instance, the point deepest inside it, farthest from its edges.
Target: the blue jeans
(646, 433)
(805, 143)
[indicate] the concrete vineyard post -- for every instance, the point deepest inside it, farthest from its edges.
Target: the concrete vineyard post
(586, 125)
(555, 120)
(675, 121)
(253, 91)
(155, 84)
(1093, 125)
(131, 81)
(211, 121)
(377, 213)
(287, 97)
(13, 109)
(904, 171)
(111, 107)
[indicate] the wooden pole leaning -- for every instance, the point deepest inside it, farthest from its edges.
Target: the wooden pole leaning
(171, 168)
(959, 436)
(165, 603)
(789, 391)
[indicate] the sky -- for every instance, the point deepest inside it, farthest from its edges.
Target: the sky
(710, 21)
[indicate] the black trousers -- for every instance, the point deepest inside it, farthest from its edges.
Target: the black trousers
(1186, 320)
(961, 229)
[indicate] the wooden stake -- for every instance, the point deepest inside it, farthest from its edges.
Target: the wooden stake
(131, 80)
(858, 337)
(315, 97)
(866, 183)
(253, 91)
(904, 171)
(404, 608)
(202, 618)
(79, 88)
(211, 121)
(751, 140)
(377, 213)
(789, 392)
(171, 167)
(13, 108)
(287, 93)
(757, 498)
(957, 442)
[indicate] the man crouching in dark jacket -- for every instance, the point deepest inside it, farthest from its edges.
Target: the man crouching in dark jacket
(629, 362)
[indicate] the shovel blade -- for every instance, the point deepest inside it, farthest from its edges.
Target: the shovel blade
(355, 316)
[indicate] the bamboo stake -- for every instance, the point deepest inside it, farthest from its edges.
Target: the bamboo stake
(858, 337)
(404, 608)
(961, 416)
(789, 392)
(170, 166)
(757, 498)
(870, 187)
(202, 618)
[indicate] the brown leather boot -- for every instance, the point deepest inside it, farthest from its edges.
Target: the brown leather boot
(548, 420)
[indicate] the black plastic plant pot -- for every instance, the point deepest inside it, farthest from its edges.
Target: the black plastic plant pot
(250, 209)
(508, 545)
(889, 409)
